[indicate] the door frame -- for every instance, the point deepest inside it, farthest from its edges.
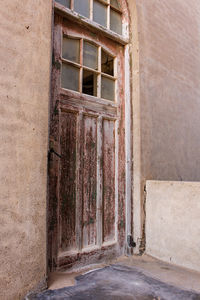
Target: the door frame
(128, 125)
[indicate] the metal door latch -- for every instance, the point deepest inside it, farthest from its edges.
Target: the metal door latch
(130, 241)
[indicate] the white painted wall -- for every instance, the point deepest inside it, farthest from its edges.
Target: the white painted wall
(173, 222)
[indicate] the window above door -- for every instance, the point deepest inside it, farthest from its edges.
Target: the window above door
(88, 68)
(107, 13)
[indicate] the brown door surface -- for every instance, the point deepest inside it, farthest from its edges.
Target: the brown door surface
(87, 147)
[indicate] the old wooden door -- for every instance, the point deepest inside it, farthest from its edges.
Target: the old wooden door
(87, 147)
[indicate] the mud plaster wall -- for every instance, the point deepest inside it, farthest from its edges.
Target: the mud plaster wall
(165, 96)
(25, 45)
(169, 43)
(172, 222)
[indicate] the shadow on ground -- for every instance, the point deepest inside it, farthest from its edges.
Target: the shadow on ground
(117, 282)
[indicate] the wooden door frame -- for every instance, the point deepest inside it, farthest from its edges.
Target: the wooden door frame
(128, 139)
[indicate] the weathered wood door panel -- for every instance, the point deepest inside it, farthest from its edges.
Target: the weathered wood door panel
(87, 157)
(67, 181)
(108, 167)
(89, 181)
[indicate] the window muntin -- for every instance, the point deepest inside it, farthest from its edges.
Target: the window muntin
(107, 13)
(90, 71)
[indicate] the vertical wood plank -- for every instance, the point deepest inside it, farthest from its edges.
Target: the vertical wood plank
(116, 178)
(67, 201)
(81, 69)
(99, 75)
(53, 167)
(128, 150)
(108, 180)
(79, 175)
(121, 154)
(89, 180)
(99, 183)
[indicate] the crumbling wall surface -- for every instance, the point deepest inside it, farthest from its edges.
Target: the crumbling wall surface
(172, 222)
(25, 46)
(169, 43)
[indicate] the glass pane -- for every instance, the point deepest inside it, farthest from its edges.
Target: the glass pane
(71, 49)
(107, 63)
(82, 7)
(89, 83)
(115, 3)
(107, 88)
(66, 3)
(90, 55)
(70, 77)
(115, 21)
(100, 13)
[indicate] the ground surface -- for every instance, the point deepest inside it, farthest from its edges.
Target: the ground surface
(126, 281)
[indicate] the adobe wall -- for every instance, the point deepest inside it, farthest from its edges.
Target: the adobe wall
(165, 96)
(172, 222)
(169, 39)
(25, 46)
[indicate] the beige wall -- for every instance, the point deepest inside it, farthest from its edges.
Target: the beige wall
(165, 95)
(25, 45)
(169, 40)
(172, 222)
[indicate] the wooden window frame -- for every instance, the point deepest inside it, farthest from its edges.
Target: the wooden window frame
(104, 2)
(98, 72)
(93, 26)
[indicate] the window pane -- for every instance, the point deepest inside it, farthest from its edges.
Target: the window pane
(107, 63)
(70, 77)
(115, 21)
(115, 3)
(71, 49)
(89, 83)
(82, 7)
(107, 88)
(100, 13)
(66, 3)
(90, 56)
